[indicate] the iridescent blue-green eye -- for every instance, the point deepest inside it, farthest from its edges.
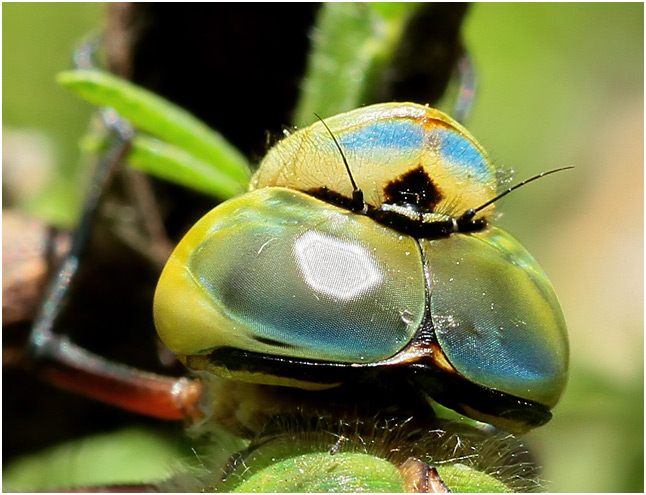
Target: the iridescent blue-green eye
(291, 284)
(496, 316)
(278, 272)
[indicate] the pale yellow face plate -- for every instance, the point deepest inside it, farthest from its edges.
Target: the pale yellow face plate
(392, 149)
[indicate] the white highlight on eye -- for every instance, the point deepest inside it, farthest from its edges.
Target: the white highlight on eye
(335, 267)
(406, 316)
(263, 246)
(444, 323)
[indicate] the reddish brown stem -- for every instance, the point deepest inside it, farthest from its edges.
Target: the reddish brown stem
(73, 368)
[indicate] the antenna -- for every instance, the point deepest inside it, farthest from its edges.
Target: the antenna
(471, 212)
(357, 194)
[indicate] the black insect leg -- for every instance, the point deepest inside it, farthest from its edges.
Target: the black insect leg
(56, 359)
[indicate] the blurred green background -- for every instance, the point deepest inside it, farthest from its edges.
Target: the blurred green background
(560, 84)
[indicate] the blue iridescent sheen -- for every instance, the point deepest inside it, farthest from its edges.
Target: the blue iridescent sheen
(394, 134)
(460, 155)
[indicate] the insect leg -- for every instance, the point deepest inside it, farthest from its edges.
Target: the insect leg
(55, 358)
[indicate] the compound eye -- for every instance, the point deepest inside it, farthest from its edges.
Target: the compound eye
(496, 316)
(278, 272)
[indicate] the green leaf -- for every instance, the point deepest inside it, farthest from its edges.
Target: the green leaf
(174, 164)
(352, 43)
(126, 456)
(156, 116)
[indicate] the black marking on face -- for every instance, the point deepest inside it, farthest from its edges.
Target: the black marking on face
(272, 342)
(505, 411)
(414, 187)
(332, 197)
(320, 372)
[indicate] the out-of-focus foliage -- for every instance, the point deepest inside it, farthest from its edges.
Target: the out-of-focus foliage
(75, 463)
(371, 29)
(38, 41)
(171, 143)
(560, 84)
